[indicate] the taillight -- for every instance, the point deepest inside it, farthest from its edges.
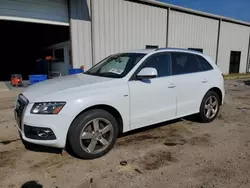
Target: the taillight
(222, 75)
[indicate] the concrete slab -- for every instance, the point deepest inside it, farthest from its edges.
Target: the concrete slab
(3, 87)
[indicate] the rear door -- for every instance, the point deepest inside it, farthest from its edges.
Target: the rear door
(192, 81)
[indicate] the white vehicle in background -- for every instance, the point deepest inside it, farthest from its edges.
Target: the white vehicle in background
(125, 91)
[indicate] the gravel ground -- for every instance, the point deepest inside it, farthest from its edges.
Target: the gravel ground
(181, 153)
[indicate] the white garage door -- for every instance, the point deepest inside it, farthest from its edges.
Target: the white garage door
(38, 11)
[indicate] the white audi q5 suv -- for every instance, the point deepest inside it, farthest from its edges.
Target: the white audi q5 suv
(123, 92)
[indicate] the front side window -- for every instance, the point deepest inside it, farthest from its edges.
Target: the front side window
(184, 63)
(116, 66)
(161, 62)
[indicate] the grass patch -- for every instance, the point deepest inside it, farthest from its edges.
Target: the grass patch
(237, 76)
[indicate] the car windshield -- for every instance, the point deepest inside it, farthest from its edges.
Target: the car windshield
(116, 66)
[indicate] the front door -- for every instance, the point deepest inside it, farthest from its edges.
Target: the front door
(153, 100)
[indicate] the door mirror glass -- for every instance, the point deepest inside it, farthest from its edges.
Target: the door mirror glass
(147, 73)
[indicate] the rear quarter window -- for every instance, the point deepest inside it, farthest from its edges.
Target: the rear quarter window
(205, 65)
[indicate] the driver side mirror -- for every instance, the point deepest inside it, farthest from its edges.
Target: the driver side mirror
(147, 73)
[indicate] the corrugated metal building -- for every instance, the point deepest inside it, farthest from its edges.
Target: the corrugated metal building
(118, 25)
(99, 28)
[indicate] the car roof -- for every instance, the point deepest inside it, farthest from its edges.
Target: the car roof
(141, 51)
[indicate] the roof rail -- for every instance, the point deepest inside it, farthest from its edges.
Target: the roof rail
(181, 49)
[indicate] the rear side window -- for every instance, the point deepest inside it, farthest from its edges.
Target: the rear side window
(204, 63)
(184, 63)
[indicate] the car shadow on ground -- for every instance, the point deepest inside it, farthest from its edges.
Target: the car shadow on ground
(41, 149)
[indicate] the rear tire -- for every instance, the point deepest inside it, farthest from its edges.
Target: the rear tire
(209, 108)
(93, 134)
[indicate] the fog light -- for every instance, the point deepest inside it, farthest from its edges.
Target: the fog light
(39, 133)
(43, 133)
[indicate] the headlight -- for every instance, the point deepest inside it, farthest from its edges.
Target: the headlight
(47, 107)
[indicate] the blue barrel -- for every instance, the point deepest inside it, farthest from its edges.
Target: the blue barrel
(37, 78)
(75, 71)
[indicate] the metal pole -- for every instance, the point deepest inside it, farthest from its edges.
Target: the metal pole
(218, 42)
(167, 42)
(248, 57)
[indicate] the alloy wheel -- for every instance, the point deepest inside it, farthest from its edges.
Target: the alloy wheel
(96, 135)
(211, 107)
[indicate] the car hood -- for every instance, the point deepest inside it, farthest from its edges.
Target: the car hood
(58, 84)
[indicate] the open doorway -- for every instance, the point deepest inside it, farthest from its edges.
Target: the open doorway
(24, 46)
(234, 62)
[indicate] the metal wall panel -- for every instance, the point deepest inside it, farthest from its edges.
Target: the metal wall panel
(80, 29)
(40, 11)
(233, 37)
(120, 25)
(192, 31)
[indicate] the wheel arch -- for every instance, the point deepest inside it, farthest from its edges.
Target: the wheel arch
(218, 91)
(109, 109)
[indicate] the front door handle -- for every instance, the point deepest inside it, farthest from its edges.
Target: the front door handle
(171, 85)
(204, 81)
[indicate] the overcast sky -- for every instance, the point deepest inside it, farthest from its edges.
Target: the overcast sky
(237, 9)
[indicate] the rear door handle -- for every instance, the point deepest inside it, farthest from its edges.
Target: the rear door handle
(204, 81)
(171, 85)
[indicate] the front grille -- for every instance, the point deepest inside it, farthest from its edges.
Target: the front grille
(21, 104)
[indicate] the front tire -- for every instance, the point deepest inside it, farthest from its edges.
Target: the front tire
(210, 106)
(93, 134)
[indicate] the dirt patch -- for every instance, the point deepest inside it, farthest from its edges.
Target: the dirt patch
(55, 161)
(4, 121)
(155, 160)
(155, 136)
(196, 140)
(205, 139)
(6, 142)
(8, 158)
(175, 141)
(214, 176)
(7, 103)
(135, 139)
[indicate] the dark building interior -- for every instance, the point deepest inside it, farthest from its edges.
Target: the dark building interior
(23, 43)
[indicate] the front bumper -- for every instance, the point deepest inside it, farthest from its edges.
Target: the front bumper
(58, 124)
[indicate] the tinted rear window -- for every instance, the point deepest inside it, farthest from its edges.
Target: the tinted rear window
(183, 63)
(204, 63)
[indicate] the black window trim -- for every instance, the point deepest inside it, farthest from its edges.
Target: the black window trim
(195, 57)
(133, 77)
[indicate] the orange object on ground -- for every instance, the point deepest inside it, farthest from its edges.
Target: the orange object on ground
(16, 80)
(82, 67)
(48, 58)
